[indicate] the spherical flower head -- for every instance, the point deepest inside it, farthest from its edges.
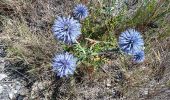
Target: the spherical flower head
(66, 30)
(130, 41)
(80, 12)
(139, 56)
(64, 64)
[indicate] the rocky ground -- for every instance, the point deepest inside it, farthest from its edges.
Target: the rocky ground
(10, 87)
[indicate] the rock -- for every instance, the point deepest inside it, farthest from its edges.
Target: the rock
(20, 97)
(11, 95)
(9, 88)
(37, 89)
(143, 92)
(1, 89)
(131, 2)
(2, 50)
(119, 77)
(2, 64)
(118, 6)
(23, 91)
(2, 76)
(108, 84)
(117, 94)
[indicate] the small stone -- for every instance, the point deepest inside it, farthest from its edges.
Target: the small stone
(20, 97)
(2, 76)
(1, 89)
(117, 94)
(108, 84)
(14, 91)
(23, 91)
(40, 85)
(11, 95)
(145, 92)
(119, 76)
(17, 87)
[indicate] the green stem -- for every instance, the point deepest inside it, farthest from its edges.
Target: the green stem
(81, 47)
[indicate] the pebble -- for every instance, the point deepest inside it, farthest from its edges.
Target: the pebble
(2, 64)
(1, 89)
(108, 83)
(2, 76)
(11, 95)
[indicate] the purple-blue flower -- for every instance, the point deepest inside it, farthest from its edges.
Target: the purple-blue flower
(130, 41)
(139, 56)
(66, 29)
(80, 12)
(64, 64)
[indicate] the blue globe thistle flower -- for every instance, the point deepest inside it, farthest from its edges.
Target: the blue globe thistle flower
(139, 56)
(64, 64)
(130, 41)
(80, 12)
(67, 29)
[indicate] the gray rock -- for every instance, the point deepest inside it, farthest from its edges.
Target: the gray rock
(2, 76)
(9, 87)
(1, 89)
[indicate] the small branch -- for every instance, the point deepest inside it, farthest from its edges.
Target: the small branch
(95, 41)
(107, 52)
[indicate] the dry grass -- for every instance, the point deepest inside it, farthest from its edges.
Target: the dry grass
(27, 34)
(27, 30)
(28, 37)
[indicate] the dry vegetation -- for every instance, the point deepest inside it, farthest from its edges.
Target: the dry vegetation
(26, 31)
